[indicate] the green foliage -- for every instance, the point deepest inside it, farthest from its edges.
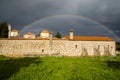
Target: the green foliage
(58, 35)
(3, 30)
(118, 46)
(60, 68)
(38, 35)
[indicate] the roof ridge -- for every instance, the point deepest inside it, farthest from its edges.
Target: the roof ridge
(44, 31)
(14, 30)
(29, 33)
(90, 38)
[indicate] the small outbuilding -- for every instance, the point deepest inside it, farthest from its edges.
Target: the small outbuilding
(14, 34)
(44, 34)
(29, 35)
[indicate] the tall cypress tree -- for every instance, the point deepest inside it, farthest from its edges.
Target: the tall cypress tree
(3, 30)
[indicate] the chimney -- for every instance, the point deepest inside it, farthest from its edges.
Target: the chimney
(50, 35)
(50, 38)
(71, 34)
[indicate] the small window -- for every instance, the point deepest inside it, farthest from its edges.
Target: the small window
(42, 50)
(98, 46)
(75, 46)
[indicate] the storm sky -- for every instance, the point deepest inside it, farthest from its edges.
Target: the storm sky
(20, 13)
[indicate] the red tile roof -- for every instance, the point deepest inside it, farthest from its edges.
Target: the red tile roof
(29, 33)
(45, 31)
(15, 30)
(89, 38)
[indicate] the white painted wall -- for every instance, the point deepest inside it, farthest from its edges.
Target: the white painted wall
(29, 36)
(44, 35)
(14, 34)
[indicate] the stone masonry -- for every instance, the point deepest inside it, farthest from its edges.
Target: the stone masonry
(60, 47)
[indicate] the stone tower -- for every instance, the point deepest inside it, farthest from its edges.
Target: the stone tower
(9, 30)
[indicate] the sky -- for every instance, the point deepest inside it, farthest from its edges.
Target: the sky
(57, 15)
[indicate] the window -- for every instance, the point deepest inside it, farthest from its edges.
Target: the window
(75, 46)
(42, 50)
(98, 46)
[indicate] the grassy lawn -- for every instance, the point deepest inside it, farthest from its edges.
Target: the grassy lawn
(60, 68)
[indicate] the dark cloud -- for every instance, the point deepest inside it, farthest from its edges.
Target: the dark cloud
(20, 13)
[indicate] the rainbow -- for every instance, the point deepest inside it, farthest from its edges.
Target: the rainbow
(96, 22)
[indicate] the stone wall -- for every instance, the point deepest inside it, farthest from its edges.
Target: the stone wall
(84, 48)
(23, 47)
(57, 47)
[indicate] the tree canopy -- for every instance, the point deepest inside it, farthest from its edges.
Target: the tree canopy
(58, 35)
(3, 30)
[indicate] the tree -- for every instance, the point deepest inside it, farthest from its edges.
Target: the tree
(118, 46)
(58, 35)
(3, 30)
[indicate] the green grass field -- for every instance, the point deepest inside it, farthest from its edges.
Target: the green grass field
(60, 68)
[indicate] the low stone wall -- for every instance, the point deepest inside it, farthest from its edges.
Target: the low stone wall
(56, 47)
(23, 47)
